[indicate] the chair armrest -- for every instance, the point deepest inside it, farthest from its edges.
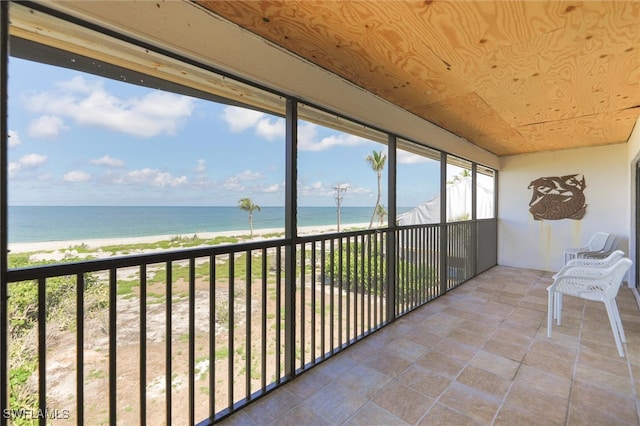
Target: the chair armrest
(580, 285)
(581, 271)
(606, 262)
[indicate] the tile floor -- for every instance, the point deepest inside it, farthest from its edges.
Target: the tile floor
(476, 356)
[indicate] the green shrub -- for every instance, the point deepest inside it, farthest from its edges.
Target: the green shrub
(367, 274)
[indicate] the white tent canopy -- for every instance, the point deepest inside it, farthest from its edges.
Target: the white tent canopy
(458, 205)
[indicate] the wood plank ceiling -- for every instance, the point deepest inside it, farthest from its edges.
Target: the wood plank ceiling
(509, 76)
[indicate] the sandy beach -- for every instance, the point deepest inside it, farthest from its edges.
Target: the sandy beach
(47, 246)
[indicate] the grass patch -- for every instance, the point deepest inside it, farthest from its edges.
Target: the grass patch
(222, 353)
(97, 374)
(126, 287)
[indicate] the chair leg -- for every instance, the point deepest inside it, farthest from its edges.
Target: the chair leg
(614, 326)
(550, 311)
(616, 311)
(559, 308)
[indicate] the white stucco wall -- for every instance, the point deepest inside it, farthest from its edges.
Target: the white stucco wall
(527, 243)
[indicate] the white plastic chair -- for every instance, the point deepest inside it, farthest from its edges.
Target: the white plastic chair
(605, 262)
(595, 244)
(609, 246)
(590, 283)
(584, 261)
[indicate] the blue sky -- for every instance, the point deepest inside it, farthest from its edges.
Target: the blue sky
(79, 139)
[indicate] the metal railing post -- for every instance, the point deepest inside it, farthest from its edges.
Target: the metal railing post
(443, 223)
(474, 219)
(391, 248)
(291, 233)
(4, 291)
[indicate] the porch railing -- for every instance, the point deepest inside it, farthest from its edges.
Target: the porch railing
(181, 336)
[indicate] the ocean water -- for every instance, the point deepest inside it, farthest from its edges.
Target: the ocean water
(60, 223)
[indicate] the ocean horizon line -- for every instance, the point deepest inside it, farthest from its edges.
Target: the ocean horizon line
(62, 223)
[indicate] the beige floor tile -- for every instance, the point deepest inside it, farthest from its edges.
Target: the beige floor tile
(364, 349)
(424, 381)
(544, 381)
(547, 346)
(455, 349)
(506, 349)
(308, 383)
(388, 364)
(604, 380)
(336, 403)
(496, 364)
(610, 364)
(473, 404)
(484, 381)
(579, 416)
(470, 337)
(364, 380)
(272, 406)
(588, 396)
(559, 366)
(302, 416)
(406, 348)
(421, 336)
(336, 366)
(241, 418)
(439, 415)
(442, 364)
(535, 401)
(403, 402)
(473, 357)
(522, 416)
(372, 414)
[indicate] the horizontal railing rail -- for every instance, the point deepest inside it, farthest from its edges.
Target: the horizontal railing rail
(184, 335)
(35, 272)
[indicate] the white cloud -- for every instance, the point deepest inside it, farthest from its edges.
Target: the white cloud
(46, 126)
(265, 126)
(78, 84)
(76, 176)
(108, 162)
(319, 188)
(248, 175)
(14, 139)
(271, 129)
(240, 119)
(89, 103)
(201, 167)
(238, 182)
(324, 189)
(308, 139)
(271, 189)
(201, 179)
(150, 177)
(165, 179)
(29, 161)
(405, 157)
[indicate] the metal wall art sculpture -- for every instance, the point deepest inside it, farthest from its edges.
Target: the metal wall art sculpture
(559, 197)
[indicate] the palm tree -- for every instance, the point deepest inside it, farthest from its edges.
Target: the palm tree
(247, 205)
(457, 178)
(376, 160)
(381, 212)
